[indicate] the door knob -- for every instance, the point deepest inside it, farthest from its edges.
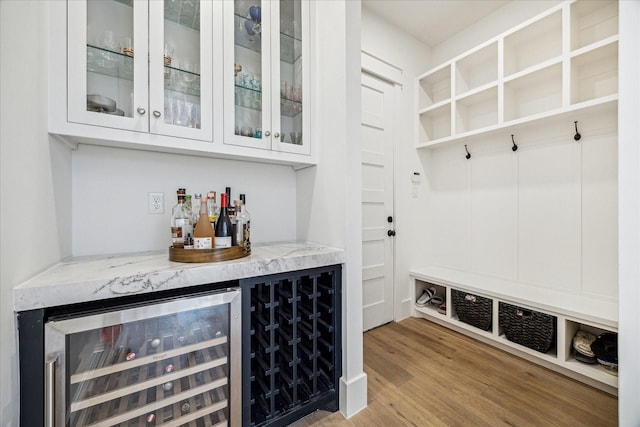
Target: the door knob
(391, 233)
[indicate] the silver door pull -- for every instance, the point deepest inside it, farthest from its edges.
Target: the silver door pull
(49, 391)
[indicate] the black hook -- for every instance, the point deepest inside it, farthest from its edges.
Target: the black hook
(515, 147)
(577, 136)
(468, 156)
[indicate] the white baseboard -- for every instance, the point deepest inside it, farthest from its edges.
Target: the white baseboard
(353, 395)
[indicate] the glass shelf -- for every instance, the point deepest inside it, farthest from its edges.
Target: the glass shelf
(185, 13)
(290, 48)
(252, 99)
(115, 64)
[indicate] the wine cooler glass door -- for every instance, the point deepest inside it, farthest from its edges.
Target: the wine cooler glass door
(180, 68)
(107, 63)
(291, 44)
(166, 364)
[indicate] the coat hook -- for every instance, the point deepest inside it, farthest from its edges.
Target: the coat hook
(468, 156)
(515, 147)
(577, 136)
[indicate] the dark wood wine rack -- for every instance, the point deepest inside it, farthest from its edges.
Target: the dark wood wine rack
(291, 345)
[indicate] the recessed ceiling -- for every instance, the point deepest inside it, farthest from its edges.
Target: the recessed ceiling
(432, 21)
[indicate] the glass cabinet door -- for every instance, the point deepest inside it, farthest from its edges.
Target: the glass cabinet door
(247, 106)
(107, 63)
(180, 68)
(291, 50)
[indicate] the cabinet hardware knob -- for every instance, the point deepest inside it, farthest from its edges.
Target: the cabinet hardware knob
(514, 147)
(391, 233)
(156, 113)
(577, 136)
(267, 133)
(389, 219)
(141, 110)
(276, 135)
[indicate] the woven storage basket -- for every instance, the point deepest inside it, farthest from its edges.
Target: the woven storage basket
(473, 309)
(527, 327)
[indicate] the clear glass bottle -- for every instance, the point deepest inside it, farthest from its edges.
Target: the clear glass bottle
(212, 209)
(179, 221)
(195, 208)
(224, 229)
(203, 237)
(234, 222)
(188, 210)
(245, 217)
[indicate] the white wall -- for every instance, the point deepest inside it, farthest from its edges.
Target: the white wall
(111, 186)
(629, 158)
(35, 182)
(411, 57)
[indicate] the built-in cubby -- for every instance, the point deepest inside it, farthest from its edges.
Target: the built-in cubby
(563, 60)
(533, 44)
(505, 294)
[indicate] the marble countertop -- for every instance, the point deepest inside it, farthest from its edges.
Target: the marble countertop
(101, 277)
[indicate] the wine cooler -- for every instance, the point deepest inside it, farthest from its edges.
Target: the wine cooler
(291, 345)
(173, 362)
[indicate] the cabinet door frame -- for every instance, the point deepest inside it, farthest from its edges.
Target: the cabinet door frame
(77, 70)
(230, 136)
(157, 80)
(305, 147)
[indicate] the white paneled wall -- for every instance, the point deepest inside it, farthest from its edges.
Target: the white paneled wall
(544, 215)
(111, 186)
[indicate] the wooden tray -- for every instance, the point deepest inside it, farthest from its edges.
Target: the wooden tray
(206, 255)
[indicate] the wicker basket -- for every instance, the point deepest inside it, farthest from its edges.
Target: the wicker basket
(473, 309)
(527, 327)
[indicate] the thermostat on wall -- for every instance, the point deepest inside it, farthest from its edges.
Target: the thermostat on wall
(415, 178)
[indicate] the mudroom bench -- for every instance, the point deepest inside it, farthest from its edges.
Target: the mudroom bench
(481, 307)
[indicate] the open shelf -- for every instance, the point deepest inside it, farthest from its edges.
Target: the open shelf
(533, 93)
(592, 21)
(594, 74)
(434, 87)
(477, 69)
(533, 44)
(477, 111)
(435, 124)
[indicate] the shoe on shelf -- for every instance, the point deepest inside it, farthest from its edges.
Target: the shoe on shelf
(426, 296)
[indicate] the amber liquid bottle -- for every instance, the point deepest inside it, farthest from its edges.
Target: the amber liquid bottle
(203, 237)
(224, 229)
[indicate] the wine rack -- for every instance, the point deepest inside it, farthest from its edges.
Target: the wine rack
(291, 345)
(166, 371)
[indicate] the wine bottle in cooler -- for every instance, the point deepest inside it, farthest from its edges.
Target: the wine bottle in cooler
(224, 229)
(203, 237)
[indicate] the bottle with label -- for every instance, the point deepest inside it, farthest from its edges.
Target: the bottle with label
(232, 209)
(224, 230)
(203, 237)
(195, 209)
(188, 210)
(235, 224)
(245, 217)
(188, 242)
(212, 209)
(179, 221)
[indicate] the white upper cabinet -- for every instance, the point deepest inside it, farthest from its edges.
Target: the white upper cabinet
(141, 66)
(266, 75)
(563, 60)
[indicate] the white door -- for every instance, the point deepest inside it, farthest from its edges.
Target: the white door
(377, 202)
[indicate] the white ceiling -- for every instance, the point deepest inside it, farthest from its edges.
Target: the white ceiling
(432, 21)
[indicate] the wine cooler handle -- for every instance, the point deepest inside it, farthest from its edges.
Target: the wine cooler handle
(49, 391)
(141, 110)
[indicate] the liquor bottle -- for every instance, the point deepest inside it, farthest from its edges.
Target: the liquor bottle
(203, 237)
(224, 229)
(232, 209)
(195, 209)
(188, 210)
(235, 224)
(179, 221)
(212, 209)
(188, 241)
(246, 224)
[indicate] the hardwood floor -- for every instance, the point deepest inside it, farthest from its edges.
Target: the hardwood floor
(422, 374)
